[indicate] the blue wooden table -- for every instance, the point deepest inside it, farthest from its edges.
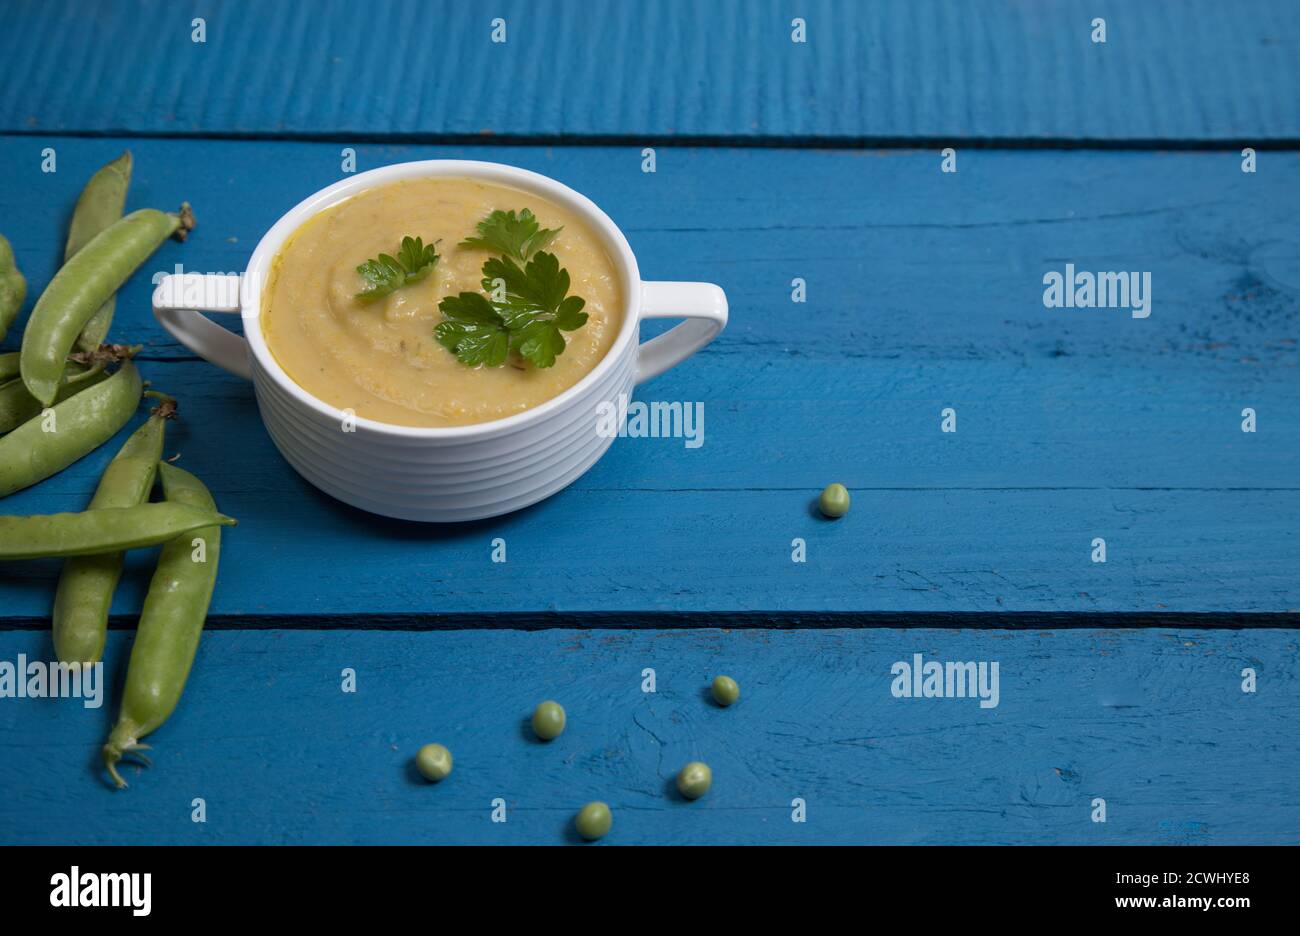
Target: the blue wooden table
(776, 162)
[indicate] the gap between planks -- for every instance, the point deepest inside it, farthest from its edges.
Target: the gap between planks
(726, 620)
(704, 141)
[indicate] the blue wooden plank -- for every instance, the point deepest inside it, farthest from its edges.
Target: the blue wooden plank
(1154, 722)
(886, 70)
(903, 260)
(298, 553)
(701, 545)
(926, 292)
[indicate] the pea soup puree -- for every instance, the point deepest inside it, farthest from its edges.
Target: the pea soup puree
(416, 337)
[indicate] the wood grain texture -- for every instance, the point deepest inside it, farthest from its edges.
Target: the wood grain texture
(924, 291)
(1153, 721)
(1175, 72)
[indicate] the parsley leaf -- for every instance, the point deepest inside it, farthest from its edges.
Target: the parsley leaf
(386, 274)
(540, 341)
(473, 330)
(536, 306)
(528, 320)
(517, 237)
(542, 284)
(528, 304)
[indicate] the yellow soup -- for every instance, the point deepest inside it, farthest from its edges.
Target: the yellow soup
(380, 358)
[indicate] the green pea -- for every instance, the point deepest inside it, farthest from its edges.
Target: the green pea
(17, 405)
(82, 286)
(548, 720)
(434, 762)
(98, 207)
(834, 501)
(94, 532)
(171, 621)
(8, 366)
(694, 780)
(594, 820)
(76, 427)
(13, 288)
(86, 584)
(725, 690)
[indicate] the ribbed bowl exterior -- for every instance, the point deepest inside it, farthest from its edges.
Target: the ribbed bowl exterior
(438, 479)
(437, 475)
(456, 473)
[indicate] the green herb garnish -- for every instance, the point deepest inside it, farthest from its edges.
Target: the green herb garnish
(473, 331)
(519, 238)
(527, 319)
(386, 274)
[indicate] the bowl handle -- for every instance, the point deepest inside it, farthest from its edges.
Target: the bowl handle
(704, 304)
(173, 306)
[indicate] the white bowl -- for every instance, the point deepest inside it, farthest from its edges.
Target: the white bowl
(461, 472)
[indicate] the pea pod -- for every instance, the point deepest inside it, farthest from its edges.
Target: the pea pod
(53, 440)
(8, 366)
(170, 624)
(99, 206)
(17, 405)
(95, 532)
(86, 584)
(13, 288)
(83, 285)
